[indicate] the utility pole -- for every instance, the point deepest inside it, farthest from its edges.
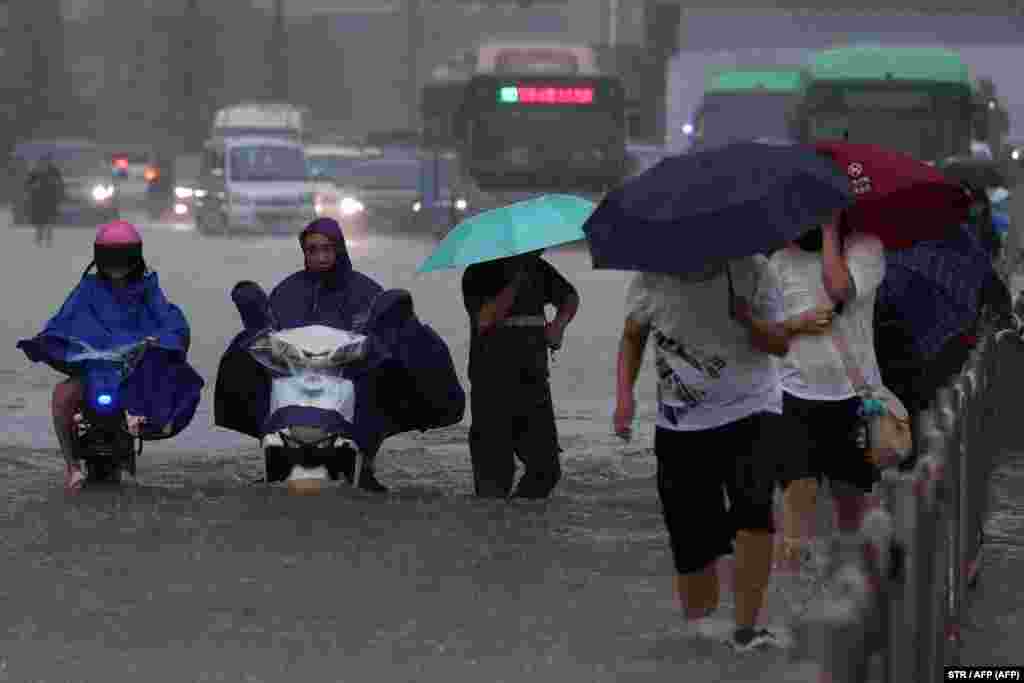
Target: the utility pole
(188, 122)
(279, 43)
(47, 79)
(613, 23)
(415, 31)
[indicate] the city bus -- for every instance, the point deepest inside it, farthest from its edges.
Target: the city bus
(918, 100)
(543, 131)
(749, 102)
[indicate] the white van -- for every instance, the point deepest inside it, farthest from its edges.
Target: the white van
(253, 184)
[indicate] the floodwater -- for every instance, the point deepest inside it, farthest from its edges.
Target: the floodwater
(193, 573)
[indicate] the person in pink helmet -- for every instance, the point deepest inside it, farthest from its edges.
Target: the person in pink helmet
(121, 303)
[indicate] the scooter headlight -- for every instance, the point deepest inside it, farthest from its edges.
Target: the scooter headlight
(102, 404)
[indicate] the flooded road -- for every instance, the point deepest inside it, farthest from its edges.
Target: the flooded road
(191, 573)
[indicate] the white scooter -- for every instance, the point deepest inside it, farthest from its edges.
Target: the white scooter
(312, 404)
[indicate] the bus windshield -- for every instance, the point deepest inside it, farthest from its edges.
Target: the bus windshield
(918, 122)
(729, 117)
(263, 163)
(552, 129)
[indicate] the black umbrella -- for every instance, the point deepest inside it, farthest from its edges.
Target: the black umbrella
(981, 173)
(714, 205)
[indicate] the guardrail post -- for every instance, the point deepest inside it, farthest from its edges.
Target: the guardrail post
(925, 601)
(897, 490)
(955, 505)
(981, 453)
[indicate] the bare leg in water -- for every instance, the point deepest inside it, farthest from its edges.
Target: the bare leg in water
(67, 399)
(699, 593)
(799, 520)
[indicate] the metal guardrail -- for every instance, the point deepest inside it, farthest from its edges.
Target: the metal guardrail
(897, 587)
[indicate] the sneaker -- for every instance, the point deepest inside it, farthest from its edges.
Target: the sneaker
(74, 478)
(749, 638)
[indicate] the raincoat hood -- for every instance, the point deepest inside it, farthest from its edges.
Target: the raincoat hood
(340, 297)
(329, 228)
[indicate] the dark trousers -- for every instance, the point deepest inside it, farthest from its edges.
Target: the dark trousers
(512, 422)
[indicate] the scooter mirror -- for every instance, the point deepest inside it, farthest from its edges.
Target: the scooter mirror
(253, 304)
(262, 350)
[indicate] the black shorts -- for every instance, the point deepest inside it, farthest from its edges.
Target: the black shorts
(819, 440)
(695, 472)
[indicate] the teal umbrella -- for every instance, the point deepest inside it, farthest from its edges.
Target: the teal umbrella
(537, 223)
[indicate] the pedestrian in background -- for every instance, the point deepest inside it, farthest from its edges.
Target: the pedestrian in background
(45, 188)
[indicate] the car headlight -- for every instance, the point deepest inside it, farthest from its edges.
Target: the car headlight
(417, 207)
(1015, 155)
(350, 206)
(183, 192)
(101, 193)
(461, 205)
(199, 194)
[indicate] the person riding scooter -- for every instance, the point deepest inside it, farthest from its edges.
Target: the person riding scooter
(408, 383)
(121, 304)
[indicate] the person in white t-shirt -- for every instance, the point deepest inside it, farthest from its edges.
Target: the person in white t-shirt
(832, 266)
(715, 334)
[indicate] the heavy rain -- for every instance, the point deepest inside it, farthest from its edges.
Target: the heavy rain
(220, 129)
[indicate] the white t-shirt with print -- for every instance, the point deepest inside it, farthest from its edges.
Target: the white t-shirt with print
(813, 369)
(708, 373)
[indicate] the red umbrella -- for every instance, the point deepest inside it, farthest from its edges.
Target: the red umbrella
(898, 198)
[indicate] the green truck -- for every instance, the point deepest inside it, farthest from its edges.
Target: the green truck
(749, 102)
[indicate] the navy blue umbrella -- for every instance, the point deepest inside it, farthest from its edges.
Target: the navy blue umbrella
(714, 205)
(933, 289)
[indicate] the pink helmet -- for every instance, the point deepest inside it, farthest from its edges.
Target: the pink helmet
(117, 234)
(118, 246)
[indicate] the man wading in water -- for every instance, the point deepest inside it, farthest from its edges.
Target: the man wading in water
(510, 338)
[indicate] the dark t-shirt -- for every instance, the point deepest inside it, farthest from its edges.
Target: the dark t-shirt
(512, 353)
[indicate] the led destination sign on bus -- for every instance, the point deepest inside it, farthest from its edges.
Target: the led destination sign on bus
(545, 95)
